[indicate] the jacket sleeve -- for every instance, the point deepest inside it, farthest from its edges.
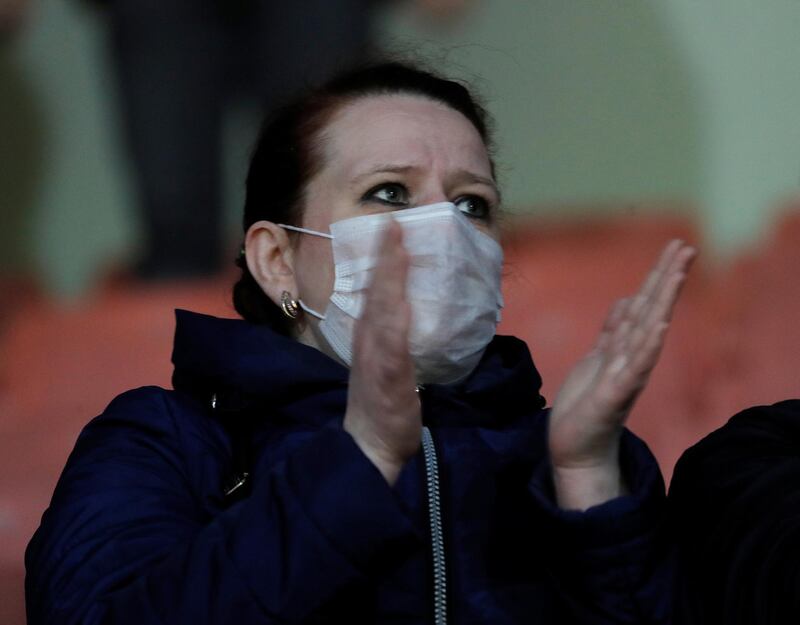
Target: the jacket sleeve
(611, 563)
(125, 539)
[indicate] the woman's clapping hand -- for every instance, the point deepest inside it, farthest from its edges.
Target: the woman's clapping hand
(593, 404)
(383, 411)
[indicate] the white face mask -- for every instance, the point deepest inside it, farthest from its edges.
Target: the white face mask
(453, 287)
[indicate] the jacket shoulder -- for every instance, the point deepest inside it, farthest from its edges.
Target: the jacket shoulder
(149, 401)
(752, 436)
(149, 423)
(155, 409)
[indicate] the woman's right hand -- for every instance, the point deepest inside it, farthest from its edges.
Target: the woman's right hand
(383, 410)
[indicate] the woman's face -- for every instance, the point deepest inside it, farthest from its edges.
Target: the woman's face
(386, 153)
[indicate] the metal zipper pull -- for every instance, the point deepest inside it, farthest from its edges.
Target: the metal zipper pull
(238, 482)
(437, 537)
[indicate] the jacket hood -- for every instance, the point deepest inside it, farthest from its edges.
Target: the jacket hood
(243, 363)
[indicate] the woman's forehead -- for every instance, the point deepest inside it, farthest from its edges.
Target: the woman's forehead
(402, 130)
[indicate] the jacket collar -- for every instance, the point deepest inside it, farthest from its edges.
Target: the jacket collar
(245, 363)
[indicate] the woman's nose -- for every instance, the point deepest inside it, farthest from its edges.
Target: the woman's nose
(431, 197)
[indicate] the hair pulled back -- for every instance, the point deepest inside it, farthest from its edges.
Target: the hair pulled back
(288, 154)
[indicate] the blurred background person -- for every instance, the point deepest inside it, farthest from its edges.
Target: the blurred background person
(179, 65)
(12, 14)
(735, 513)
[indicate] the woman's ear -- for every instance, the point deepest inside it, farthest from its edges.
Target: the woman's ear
(269, 259)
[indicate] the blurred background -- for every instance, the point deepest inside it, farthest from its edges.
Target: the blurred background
(619, 125)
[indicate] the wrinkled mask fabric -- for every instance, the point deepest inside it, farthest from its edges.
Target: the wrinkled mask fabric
(453, 287)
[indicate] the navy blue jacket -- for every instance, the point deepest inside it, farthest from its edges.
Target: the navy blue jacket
(140, 530)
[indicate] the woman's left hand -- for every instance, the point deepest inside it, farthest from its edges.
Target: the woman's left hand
(592, 406)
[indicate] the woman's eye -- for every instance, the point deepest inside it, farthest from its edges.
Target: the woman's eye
(473, 206)
(393, 193)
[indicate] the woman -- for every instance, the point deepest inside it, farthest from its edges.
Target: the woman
(361, 447)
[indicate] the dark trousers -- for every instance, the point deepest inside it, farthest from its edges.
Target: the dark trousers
(179, 62)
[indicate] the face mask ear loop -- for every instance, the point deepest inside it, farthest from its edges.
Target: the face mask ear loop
(311, 311)
(306, 231)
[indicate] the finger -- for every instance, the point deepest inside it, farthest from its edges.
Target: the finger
(655, 279)
(626, 373)
(661, 305)
(658, 313)
(636, 342)
(388, 285)
(385, 321)
(627, 380)
(657, 305)
(612, 320)
(642, 301)
(630, 330)
(620, 338)
(662, 265)
(647, 338)
(644, 360)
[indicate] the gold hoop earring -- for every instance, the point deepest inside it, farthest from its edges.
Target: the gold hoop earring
(289, 306)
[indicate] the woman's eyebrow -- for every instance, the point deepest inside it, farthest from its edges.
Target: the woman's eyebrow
(461, 176)
(468, 176)
(465, 176)
(384, 169)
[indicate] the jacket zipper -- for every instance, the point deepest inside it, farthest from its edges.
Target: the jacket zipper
(437, 539)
